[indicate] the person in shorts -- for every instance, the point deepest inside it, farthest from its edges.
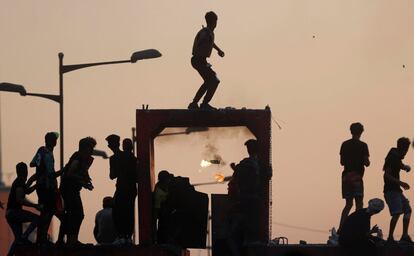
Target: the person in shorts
(354, 157)
(397, 203)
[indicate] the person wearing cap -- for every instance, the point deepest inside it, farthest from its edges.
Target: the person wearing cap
(356, 232)
(46, 182)
(354, 158)
(104, 230)
(244, 192)
(397, 203)
(202, 48)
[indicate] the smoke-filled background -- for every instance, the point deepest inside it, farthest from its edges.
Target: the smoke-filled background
(320, 65)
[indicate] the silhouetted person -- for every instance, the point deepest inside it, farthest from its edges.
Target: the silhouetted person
(15, 214)
(202, 48)
(356, 232)
(354, 157)
(74, 178)
(1, 205)
(244, 192)
(397, 203)
(104, 230)
(159, 197)
(123, 169)
(46, 183)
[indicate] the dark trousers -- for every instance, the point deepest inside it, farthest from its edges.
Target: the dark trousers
(123, 211)
(15, 219)
(210, 79)
(47, 197)
(74, 214)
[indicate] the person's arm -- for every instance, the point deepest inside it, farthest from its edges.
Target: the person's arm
(219, 51)
(113, 168)
(58, 173)
(391, 179)
(21, 199)
(29, 189)
(366, 156)
(366, 161)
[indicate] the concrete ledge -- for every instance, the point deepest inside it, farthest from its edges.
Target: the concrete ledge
(104, 250)
(323, 250)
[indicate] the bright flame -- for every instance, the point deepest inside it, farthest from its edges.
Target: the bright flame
(219, 177)
(205, 163)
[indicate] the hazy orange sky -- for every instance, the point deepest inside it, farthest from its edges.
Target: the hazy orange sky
(320, 65)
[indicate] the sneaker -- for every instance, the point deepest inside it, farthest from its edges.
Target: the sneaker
(406, 240)
(206, 106)
(192, 106)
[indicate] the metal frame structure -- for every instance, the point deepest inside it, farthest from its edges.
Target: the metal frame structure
(150, 124)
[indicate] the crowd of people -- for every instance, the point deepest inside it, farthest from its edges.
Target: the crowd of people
(114, 224)
(355, 232)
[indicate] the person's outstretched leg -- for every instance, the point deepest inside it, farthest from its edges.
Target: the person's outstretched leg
(345, 211)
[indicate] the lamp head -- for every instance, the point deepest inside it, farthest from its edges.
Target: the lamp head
(145, 54)
(9, 87)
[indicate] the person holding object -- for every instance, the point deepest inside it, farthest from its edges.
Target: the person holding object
(202, 48)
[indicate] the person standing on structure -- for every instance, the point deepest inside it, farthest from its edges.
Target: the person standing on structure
(354, 157)
(202, 48)
(122, 167)
(46, 182)
(397, 203)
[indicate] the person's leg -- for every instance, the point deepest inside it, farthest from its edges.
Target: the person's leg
(47, 199)
(131, 213)
(117, 212)
(359, 202)
(212, 82)
(393, 224)
(34, 220)
(395, 205)
(76, 219)
(201, 66)
(406, 218)
(345, 211)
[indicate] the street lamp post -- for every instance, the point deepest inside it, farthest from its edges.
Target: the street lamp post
(140, 55)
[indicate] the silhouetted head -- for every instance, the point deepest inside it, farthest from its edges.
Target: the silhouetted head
(108, 202)
(164, 176)
(21, 170)
(127, 145)
(403, 144)
(375, 206)
(356, 129)
(211, 20)
(86, 146)
(113, 142)
(51, 139)
(252, 147)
